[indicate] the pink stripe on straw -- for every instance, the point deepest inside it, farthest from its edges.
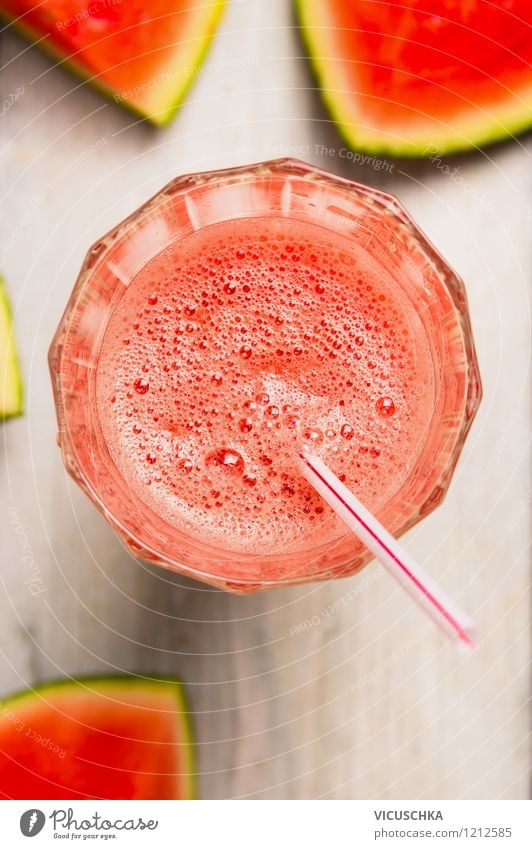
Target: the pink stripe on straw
(432, 603)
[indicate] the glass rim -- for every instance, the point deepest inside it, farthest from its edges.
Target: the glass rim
(387, 205)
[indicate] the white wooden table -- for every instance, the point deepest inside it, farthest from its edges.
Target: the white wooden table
(366, 702)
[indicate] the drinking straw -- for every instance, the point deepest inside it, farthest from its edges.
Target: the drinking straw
(449, 618)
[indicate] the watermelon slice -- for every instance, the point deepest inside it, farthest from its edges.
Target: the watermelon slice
(417, 77)
(142, 54)
(97, 738)
(10, 379)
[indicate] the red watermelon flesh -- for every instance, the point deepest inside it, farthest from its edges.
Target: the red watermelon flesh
(106, 738)
(409, 76)
(143, 54)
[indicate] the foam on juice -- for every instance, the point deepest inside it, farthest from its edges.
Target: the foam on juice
(237, 345)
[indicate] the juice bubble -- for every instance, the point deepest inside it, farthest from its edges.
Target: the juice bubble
(313, 435)
(292, 421)
(385, 407)
(226, 460)
(141, 386)
(346, 431)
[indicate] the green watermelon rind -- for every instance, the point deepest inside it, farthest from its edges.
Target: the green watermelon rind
(159, 119)
(13, 366)
(455, 142)
(186, 730)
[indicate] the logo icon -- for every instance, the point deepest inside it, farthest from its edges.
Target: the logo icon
(32, 822)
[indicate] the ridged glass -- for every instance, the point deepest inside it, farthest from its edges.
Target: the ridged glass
(373, 220)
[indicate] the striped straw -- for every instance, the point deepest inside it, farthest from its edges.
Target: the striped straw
(449, 618)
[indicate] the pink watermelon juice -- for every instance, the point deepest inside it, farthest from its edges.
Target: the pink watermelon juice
(234, 347)
(230, 347)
